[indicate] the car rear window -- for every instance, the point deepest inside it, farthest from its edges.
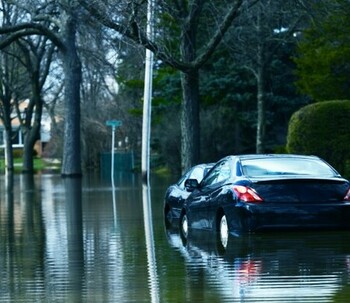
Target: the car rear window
(286, 166)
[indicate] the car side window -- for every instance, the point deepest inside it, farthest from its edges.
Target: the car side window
(218, 174)
(225, 172)
(211, 177)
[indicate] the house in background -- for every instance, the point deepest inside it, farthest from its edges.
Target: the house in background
(17, 134)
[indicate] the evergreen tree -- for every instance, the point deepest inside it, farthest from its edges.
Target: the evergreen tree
(323, 60)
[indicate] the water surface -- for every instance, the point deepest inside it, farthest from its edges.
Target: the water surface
(67, 240)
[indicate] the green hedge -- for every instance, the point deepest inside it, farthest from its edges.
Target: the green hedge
(322, 129)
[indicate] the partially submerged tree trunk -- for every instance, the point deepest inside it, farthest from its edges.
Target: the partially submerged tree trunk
(6, 119)
(9, 166)
(71, 165)
(190, 139)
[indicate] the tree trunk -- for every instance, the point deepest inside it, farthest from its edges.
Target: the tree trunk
(71, 164)
(5, 114)
(6, 119)
(30, 138)
(261, 120)
(32, 132)
(28, 146)
(9, 167)
(190, 120)
(190, 95)
(260, 75)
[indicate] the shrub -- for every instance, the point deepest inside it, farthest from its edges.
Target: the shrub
(322, 129)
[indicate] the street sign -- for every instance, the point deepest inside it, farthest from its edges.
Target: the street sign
(113, 123)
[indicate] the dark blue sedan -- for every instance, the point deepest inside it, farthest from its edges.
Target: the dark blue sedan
(248, 193)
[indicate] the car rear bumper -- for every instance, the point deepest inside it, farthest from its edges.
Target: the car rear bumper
(255, 217)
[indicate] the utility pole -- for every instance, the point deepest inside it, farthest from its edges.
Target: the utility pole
(147, 100)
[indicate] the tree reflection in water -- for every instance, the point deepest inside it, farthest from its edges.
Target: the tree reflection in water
(75, 245)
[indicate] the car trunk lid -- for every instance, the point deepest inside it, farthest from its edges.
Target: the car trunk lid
(301, 190)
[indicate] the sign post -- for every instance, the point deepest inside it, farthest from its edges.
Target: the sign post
(114, 124)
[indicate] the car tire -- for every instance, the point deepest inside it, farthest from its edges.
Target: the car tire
(184, 225)
(223, 231)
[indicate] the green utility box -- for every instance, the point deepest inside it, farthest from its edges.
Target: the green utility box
(123, 162)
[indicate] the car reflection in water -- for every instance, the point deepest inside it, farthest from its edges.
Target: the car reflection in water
(268, 267)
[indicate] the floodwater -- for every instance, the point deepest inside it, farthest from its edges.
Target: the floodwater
(67, 240)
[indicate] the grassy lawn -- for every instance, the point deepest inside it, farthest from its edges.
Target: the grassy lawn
(39, 164)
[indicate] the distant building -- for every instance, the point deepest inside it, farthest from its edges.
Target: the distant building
(17, 141)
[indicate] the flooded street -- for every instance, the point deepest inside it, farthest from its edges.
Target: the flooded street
(66, 240)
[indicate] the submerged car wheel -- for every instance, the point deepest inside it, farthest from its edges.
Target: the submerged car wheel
(223, 230)
(184, 225)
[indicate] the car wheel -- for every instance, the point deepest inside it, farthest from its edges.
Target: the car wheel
(223, 231)
(184, 225)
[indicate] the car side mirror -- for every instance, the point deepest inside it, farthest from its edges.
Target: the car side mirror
(191, 184)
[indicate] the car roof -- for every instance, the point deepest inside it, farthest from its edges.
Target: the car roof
(265, 156)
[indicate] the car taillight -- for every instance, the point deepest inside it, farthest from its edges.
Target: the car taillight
(246, 194)
(347, 196)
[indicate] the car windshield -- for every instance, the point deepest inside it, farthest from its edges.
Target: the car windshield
(285, 166)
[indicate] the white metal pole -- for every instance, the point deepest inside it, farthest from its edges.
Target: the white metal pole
(112, 156)
(147, 100)
(114, 124)
(6, 157)
(146, 138)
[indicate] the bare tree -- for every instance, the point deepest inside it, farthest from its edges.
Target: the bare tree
(260, 33)
(12, 86)
(99, 97)
(62, 31)
(37, 57)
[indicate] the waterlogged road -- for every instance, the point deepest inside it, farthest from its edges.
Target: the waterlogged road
(65, 240)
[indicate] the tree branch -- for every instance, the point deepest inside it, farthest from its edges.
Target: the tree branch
(26, 29)
(133, 33)
(216, 39)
